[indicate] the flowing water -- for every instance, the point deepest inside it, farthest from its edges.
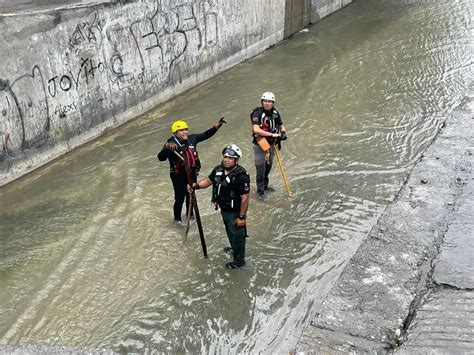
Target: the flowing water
(89, 255)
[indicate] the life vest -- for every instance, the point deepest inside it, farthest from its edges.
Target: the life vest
(222, 193)
(265, 122)
(192, 157)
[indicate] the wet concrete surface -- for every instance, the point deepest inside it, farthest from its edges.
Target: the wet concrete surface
(409, 287)
(458, 246)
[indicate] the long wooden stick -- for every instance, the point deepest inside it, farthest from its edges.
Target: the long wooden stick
(188, 216)
(193, 200)
(277, 154)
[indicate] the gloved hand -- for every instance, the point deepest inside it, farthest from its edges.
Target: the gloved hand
(170, 146)
(283, 136)
(219, 123)
(240, 221)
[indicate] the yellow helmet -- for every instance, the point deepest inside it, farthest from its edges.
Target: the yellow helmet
(177, 125)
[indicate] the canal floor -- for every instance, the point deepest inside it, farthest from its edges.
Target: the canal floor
(90, 257)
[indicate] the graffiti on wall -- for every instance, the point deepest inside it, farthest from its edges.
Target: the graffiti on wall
(87, 32)
(86, 72)
(105, 58)
(27, 118)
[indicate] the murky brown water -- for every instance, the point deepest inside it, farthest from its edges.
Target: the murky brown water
(89, 256)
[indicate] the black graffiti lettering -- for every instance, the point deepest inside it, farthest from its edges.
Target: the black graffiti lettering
(87, 70)
(77, 37)
(91, 36)
(52, 87)
(156, 42)
(89, 31)
(62, 110)
(24, 107)
(92, 68)
(75, 79)
(84, 62)
(65, 83)
(58, 111)
(86, 74)
(117, 64)
(101, 67)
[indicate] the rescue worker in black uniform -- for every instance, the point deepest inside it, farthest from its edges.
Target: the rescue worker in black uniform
(181, 141)
(266, 123)
(231, 187)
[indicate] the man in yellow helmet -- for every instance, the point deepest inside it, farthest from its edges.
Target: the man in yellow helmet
(183, 143)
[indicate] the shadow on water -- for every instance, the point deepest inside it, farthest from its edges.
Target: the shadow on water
(89, 254)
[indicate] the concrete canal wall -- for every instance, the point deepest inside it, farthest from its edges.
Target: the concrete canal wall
(70, 72)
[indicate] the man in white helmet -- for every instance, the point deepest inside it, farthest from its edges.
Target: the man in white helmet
(267, 126)
(230, 193)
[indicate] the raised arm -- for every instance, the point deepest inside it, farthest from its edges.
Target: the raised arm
(210, 132)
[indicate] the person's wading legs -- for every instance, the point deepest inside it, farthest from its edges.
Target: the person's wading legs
(236, 237)
(180, 194)
(263, 168)
(268, 168)
(260, 166)
(228, 230)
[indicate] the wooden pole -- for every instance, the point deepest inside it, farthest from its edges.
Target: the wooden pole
(194, 203)
(277, 154)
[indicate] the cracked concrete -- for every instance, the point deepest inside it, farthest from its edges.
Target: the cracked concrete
(393, 293)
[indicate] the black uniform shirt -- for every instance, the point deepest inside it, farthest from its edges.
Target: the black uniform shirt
(239, 184)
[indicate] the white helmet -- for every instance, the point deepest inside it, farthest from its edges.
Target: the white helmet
(268, 96)
(232, 151)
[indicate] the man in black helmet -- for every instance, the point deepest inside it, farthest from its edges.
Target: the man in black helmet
(267, 129)
(230, 193)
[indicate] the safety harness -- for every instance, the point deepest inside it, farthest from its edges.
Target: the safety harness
(265, 122)
(222, 193)
(192, 155)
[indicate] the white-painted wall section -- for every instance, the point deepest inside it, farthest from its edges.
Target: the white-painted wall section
(68, 74)
(323, 8)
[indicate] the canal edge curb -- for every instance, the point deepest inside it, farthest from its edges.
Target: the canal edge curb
(377, 296)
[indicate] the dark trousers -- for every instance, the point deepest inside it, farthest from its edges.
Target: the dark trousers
(180, 183)
(263, 167)
(236, 236)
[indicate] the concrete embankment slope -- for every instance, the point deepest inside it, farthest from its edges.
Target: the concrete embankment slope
(71, 70)
(410, 286)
